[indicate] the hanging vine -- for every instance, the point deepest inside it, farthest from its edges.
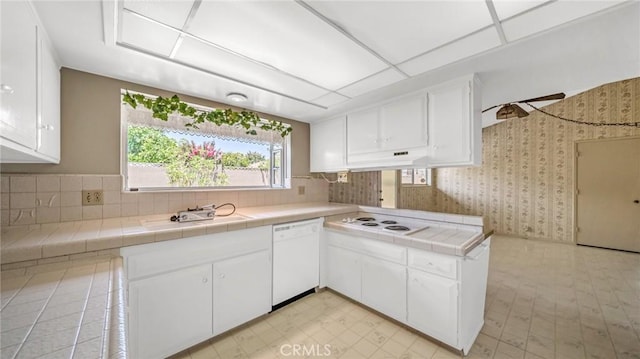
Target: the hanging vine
(162, 108)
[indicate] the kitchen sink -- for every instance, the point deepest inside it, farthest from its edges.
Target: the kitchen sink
(166, 223)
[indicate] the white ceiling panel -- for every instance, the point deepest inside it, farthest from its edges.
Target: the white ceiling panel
(330, 99)
(374, 82)
(147, 35)
(458, 50)
(551, 15)
(172, 13)
(399, 30)
(209, 58)
(286, 36)
(508, 8)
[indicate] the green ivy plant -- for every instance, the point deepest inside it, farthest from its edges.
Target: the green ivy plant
(162, 107)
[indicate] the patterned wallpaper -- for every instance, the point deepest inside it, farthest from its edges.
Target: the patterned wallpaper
(525, 186)
(363, 188)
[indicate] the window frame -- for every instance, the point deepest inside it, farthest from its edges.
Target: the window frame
(285, 176)
(428, 177)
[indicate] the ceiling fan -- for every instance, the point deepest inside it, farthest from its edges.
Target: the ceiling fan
(512, 110)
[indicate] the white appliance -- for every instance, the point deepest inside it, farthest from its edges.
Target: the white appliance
(296, 252)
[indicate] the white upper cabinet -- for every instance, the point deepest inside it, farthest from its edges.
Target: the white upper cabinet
(380, 133)
(328, 145)
(30, 104)
(455, 124)
(19, 95)
(48, 126)
(439, 126)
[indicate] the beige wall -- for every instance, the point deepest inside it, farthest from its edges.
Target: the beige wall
(525, 186)
(90, 125)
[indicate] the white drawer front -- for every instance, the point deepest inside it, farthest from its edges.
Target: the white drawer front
(434, 263)
(386, 251)
(371, 247)
(154, 258)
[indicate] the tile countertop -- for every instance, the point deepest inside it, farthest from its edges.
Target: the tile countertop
(446, 233)
(35, 242)
(70, 310)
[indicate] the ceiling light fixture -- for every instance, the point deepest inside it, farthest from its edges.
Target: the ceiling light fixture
(237, 97)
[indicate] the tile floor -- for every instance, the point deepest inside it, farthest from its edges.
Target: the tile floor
(544, 300)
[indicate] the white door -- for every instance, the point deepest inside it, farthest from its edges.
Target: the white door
(403, 123)
(384, 287)
(608, 200)
(344, 272)
(18, 73)
(328, 145)
(362, 132)
(432, 306)
(170, 312)
(241, 290)
(449, 123)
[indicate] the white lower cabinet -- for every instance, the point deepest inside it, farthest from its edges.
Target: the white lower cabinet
(384, 287)
(440, 295)
(432, 305)
(241, 290)
(344, 272)
(172, 311)
(184, 291)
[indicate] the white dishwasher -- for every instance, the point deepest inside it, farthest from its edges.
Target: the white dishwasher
(296, 267)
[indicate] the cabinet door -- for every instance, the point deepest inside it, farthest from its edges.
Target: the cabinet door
(49, 109)
(362, 132)
(329, 145)
(18, 73)
(403, 123)
(384, 287)
(450, 116)
(344, 272)
(170, 312)
(241, 290)
(432, 306)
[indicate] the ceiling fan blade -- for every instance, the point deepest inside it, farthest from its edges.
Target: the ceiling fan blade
(490, 108)
(555, 96)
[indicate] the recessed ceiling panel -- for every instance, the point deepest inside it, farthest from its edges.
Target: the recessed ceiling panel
(330, 99)
(551, 15)
(147, 35)
(508, 8)
(374, 82)
(286, 36)
(172, 13)
(196, 53)
(399, 30)
(457, 50)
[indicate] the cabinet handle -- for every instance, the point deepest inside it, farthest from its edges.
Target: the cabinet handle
(205, 280)
(222, 275)
(4, 88)
(47, 127)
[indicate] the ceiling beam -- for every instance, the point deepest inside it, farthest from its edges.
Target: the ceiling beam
(496, 21)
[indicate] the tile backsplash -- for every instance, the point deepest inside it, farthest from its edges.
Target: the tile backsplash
(36, 199)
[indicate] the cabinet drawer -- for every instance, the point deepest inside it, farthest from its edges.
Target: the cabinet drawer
(153, 258)
(434, 263)
(370, 247)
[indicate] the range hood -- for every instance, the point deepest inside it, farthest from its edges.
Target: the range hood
(389, 160)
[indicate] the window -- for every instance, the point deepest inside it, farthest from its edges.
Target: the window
(417, 176)
(165, 154)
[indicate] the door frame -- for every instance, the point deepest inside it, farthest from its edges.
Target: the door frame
(575, 176)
